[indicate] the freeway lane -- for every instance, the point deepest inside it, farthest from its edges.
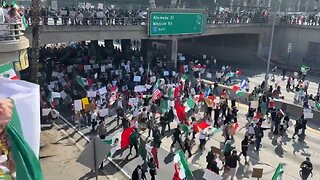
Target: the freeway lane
(274, 150)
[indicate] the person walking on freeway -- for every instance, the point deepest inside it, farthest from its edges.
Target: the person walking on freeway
(306, 169)
(176, 137)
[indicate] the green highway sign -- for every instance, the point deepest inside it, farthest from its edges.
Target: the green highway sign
(175, 23)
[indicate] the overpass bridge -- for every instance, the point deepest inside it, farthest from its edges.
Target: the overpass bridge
(305, 40)
(68, 33)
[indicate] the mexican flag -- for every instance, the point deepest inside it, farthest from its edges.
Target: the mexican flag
(240, 93)
(179, 111)
(14, 3)
(120, 140)
(23, 130)
(317, 106)
(304, 68)
(114, 90)
(170, 92)
(189, 104)
(184, 68)
(181, 167)
(164, 104)
(200, 126)
(7, 71)
(278, 173)
(81, 81)
(185, 128)
(184, 77)
(24, 23)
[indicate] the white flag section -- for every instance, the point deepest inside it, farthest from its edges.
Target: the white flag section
(210, 175)
(26, 97)
(23, 130)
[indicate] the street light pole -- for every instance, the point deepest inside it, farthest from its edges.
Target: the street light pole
(270, 49)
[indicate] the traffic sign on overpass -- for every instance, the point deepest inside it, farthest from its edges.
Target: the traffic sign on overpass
(175, 23)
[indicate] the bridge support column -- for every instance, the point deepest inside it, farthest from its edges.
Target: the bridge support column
(108, 43)
(94, 46)
(174, 52)
(146, 50)
(126, 45)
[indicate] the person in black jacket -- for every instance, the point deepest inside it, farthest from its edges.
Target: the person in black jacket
(137, 173)
(176, 137)
(306, 169)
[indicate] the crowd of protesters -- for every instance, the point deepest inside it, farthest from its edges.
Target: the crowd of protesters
(160, 104)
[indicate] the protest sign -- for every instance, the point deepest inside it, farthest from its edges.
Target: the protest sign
(103, 112)
(140, 88)
(55, 95)
(210, 175)
(148, 86)
(109, 66)
(137, 78)
(95, 66)
(100, 6)
(312, 103)
(182, 58)
(69, 69)
(55, 74)
(85, 101)
(209, 75)
(257, 173)
(103, 68)
(45, 112)
(254, 104)
(51, 87)
(60, 75)
(174, 73)
(91, 94)
(92, 61)
(133, 101)
(89, 107)
(102, 90)
(63, 94)
(307, 113)
(165, 73)
(88, 5)
(77, 105)
(87, 67)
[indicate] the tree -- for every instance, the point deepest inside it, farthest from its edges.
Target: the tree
(35, 20)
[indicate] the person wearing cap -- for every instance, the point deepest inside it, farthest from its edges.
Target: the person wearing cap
(306, 169)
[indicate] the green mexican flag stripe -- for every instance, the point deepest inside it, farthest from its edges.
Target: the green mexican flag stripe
(5, 67)
(27, 164)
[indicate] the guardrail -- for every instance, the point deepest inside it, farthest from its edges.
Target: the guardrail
(137, 21)
(92, 21)
(10, 31)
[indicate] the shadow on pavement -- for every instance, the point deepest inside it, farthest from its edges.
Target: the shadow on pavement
(90, 175)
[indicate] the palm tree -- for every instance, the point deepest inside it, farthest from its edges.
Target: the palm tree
(35, 20)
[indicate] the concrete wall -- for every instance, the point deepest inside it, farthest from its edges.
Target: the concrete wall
(56, 34)
(299, 36)
(15, 51)
(240, 48)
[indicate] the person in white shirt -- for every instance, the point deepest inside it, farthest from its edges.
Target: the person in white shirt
(80, 18)
(2, 15)
(94, 116)
(72, 15)
(202, 138)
